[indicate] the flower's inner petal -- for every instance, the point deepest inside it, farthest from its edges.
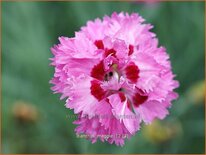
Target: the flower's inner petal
(111, 82)
(96, 90)
(131, 50)
(119, 104)
(110, 52)
(98, 71)
(123, 98)
(139, 99)
(99, 44)
(132, 72)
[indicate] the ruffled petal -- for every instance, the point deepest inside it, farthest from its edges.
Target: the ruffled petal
(116, 133)
(80, 97)
(123, 113)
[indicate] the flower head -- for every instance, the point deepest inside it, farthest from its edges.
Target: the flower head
(114, 76)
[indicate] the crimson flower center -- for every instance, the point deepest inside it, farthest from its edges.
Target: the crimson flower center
(112, 78)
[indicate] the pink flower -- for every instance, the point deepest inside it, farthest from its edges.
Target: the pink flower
(114, 76)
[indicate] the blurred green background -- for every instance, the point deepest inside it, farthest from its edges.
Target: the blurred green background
(34, 120)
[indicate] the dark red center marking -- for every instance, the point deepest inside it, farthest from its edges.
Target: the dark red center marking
(131, 49)
(123, 98)
(98, 71)
(139, 99)
(99, 44)
(132, 72)
(107, 100)
(97, 91)
(111, 52)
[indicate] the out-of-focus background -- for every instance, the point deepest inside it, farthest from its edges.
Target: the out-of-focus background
(34, 120)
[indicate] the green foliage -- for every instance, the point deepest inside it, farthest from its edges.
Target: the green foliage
(29, 29)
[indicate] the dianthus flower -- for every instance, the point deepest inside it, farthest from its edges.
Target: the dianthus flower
(114, 77)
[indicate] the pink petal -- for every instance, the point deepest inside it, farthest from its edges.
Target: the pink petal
(123, 113)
